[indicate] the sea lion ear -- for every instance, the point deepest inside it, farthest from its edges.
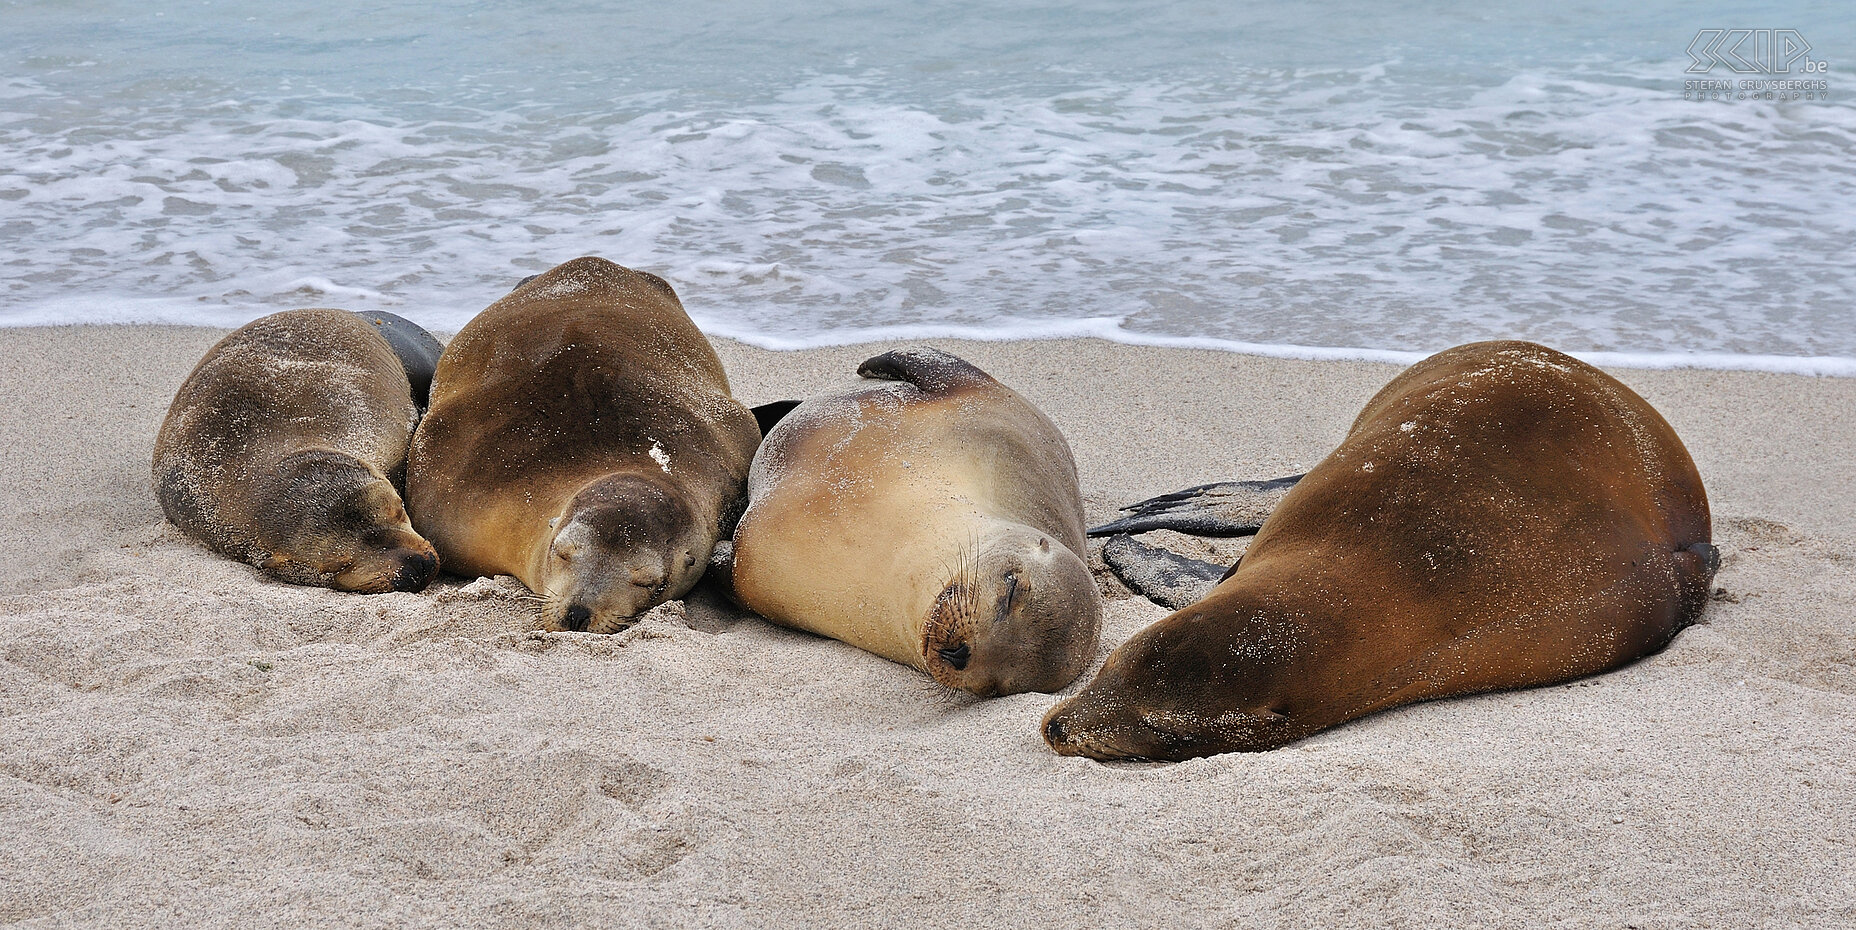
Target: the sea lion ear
(927, 368)
(554, 522)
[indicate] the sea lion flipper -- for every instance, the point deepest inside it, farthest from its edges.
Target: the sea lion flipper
(1696, 565)
(769, 414)
(721, 572)
(417, 349)
(1225, 508)
(930, 369)
(1710, 557)
(1164, 577)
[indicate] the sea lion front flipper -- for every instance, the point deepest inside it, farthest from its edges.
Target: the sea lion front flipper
(418, 350)
(930, 369)
(769, 414)
(721, 572)
(1226, 508)
(1166, 578)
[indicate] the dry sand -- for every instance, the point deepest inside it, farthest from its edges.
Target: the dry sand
(184, 743)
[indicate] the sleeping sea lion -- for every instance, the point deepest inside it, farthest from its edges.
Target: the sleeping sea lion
(928, 514)
(1499, 516)
(284, 449)
(581, 436)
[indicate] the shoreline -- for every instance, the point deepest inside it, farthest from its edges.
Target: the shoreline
(185, 741)
(1110, 331)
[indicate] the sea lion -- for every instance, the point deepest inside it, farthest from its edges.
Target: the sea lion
(928, 514)
(581, 436)
(284, 449)
(1499, 516)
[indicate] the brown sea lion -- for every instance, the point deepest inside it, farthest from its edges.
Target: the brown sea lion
(284, 448)
(1499, 516)
(582, 437)
(928, 514)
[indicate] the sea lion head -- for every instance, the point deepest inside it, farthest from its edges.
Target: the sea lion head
(1020, 614)
(327, 518)
(1194, 684)
(625, 544)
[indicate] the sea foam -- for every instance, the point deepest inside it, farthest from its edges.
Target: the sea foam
(1379, 209)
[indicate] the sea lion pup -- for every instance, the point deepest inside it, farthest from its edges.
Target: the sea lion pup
(930, 515)
(283, 449)
(582, 437)
(1499, 516)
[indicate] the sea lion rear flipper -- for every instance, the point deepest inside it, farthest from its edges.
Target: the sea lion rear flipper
(769, 414)
(1166, 578)
(1226, 508)
(417, 349)
(930, 369)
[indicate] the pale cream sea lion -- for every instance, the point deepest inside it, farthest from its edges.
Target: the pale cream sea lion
(284, 449)
(581, 436)
(1499, 516)
(928, 514)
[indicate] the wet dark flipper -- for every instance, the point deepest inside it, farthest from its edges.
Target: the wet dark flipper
(1166, 578)
(418, 350)
(720, 574)
(1695, 568)
(932, 370)
(1226, 508)
(769, 414)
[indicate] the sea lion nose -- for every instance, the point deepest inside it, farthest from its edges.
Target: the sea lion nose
(415, 571)
(957, 656)
(1053, 731)
(577, 618)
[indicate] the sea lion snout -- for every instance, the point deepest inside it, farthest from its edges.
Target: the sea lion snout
(576, 619)
(1053, 730)
(1071, 729)
(1010, 621)
(623, 546)
(416, 569)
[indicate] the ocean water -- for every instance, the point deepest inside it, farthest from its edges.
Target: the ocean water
(1360, 179)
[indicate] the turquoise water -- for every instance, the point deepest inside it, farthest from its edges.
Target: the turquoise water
(1363, 179)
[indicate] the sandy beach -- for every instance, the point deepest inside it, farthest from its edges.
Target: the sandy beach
(183, 743)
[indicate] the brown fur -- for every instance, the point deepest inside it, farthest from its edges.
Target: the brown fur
(535, 458)
(930, 515)
(1499, 516)
(283, 449)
